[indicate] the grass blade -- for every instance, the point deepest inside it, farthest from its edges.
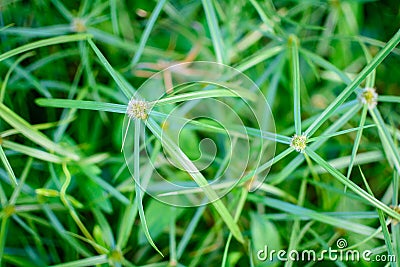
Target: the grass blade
(312, 214)
(198, 95)
(354, 84)
(258, 58)
(122, 84)
(382, 221)
(10, 70)
(294, 57)
(215, 32)
(114, 16)
(357, 141)
(33, 152)
(81, 104)
(45, 42)
(389, 98)
(176, 152)
(326, 65)
(354, 187)
(138, 190)
(239, 209)
(5, 221)
(149, 27)
(63, 10)
(7, 166)
(312, 139)
(59, 228)
(31, 79)
(92, 261)
(386, 138)
(189, 231)
(31, 133)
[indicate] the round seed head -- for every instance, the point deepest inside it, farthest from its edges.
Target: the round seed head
(137, 109)
(78, 25)
(299, 143)
(368, 96)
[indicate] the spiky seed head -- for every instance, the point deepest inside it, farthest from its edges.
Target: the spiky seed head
(138, 109)
(368, 96)
(299, 142)
(78, 25)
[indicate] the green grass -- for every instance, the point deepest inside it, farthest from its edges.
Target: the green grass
(69, 68)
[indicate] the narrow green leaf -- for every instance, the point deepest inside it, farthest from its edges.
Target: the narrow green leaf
(149, 27)
(199, 95)
(242, 201)
(92, 261)
(215, 32)
(326, 65)
(126, 223)
(312, 139)
(8, 167)
(370, 80)
(45, 42)
(31, 133)
(106, 186)
(31, 79)
(3, 235)
(114, 16)
(396, 228)
(382, 221)
(258, 58)
(312, 214)
(59, 228)
(269, 23)
(121, 82)
(10, 70)
(106, 231)
(138, 190)
(295, 67)
(233, 129)
(389, 98)
(63, 10)
(189, 231)
(357, 141)
(32, 152)
(81, 104)
(46, 31)
(352, 186)
(176, 152)
(386, 138)
(172, 237)
(326, 114)
(24, 175)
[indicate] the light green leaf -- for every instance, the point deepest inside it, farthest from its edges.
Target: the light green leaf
(31, 133)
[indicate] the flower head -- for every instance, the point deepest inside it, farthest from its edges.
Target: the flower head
(299, 142)
(78, 25)
(368, 96)
(138, 109)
